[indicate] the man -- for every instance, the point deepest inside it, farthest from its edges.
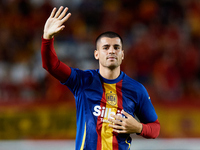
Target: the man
(107, 100)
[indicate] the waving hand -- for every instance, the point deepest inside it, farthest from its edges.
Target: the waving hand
(54, 23)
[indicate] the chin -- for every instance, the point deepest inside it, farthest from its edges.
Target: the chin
(112, 67)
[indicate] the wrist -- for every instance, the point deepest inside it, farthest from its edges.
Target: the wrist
(47, 36)
(140, 127)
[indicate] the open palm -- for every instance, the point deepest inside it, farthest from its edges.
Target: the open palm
(54, 23)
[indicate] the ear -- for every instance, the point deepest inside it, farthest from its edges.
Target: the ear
(122, 54)
(96, 54)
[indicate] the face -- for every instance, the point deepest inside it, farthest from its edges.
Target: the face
(109, 52)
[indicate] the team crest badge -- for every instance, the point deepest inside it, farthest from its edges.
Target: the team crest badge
(111, 98)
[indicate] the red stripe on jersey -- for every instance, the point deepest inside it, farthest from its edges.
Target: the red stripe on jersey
(99, 121)
(119, 95)
(120, 107)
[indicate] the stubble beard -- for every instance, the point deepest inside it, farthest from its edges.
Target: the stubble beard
(112, 66)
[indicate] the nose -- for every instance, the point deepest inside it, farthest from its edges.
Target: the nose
(111, 50)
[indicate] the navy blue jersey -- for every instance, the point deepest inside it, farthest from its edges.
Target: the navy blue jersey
(97, 98)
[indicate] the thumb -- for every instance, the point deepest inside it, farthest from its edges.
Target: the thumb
(60, 28)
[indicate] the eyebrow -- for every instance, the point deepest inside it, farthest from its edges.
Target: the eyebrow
(113, 45)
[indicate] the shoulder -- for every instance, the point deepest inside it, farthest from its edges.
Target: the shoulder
(134, 89)
(84, 76)
(84, 73)
(133, 84)
(80, 79)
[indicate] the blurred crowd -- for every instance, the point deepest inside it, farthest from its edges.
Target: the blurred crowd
(161, 43)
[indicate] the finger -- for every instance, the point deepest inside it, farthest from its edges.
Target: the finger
(118, 117)
(114, 126)
(58, 12)
(119, 131)
(125, 113)
(118, 122)
(60, 28)
(66, 17)
(63, 13)
(53, 12)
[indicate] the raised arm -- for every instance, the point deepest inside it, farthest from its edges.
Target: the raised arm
(50, 61)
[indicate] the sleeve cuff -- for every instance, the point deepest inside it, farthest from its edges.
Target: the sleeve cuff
(47, 40)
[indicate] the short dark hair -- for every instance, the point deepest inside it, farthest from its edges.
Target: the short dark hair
(108, 34)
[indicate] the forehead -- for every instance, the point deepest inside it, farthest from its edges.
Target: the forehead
(109, 41)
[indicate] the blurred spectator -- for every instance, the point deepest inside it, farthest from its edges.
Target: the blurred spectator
(161, 43)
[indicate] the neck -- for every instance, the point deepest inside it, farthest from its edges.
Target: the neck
(110, 73)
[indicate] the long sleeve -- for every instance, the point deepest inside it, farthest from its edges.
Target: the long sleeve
(151, 130)
(51, 63)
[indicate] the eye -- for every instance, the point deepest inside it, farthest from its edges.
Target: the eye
(116, 47)
(105, 48)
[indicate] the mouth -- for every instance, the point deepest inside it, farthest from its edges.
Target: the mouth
(111, 57)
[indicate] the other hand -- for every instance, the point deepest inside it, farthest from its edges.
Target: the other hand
(125, 125)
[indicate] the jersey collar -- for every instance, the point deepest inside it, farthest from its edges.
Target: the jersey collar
(111, 81)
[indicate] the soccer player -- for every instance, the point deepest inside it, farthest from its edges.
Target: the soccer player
(107, 100)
